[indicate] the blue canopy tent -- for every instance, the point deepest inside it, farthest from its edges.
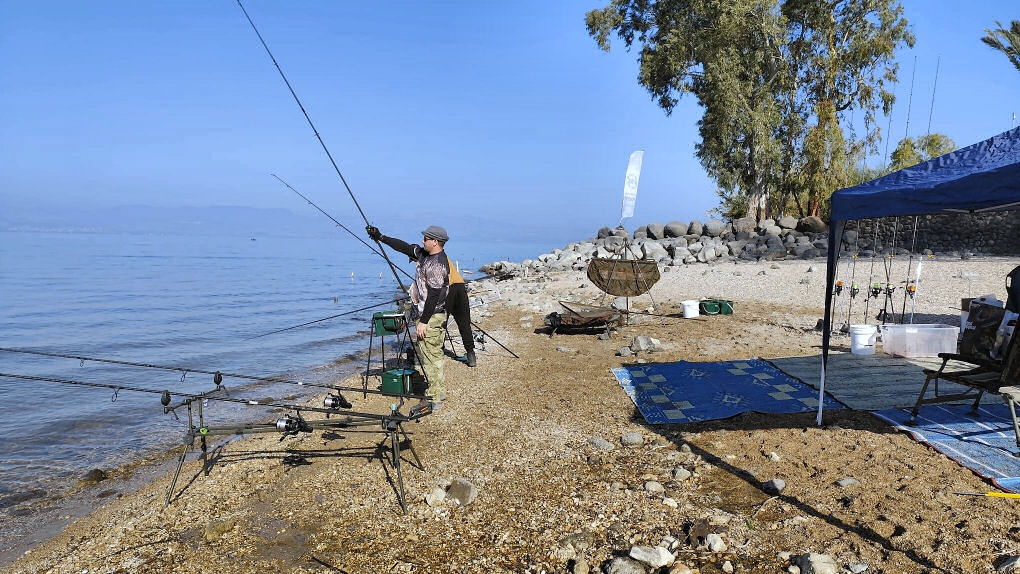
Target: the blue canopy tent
(981, 177)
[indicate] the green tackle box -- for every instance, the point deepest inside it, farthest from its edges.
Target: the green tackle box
(397, 381)
(388, 322)
(715, 307)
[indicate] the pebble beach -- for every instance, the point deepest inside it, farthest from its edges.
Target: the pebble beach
(540, 462)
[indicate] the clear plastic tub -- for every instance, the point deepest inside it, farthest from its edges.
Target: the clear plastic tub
(921, 340)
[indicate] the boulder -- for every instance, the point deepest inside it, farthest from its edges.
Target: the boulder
(675, 229)
(787, 222)
(654, 250)
(695, 228)
(714, 228)
(744, 225)
(641, 232)
(655, 231)
(812, 224)
(604, 233)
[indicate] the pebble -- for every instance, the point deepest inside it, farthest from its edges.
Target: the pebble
(462, 491)
(849, 481)
(625, 566)
(774, 486)
(632, 438)
(654, 556)
(600, 443)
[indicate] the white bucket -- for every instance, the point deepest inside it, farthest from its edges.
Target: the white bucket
(862, 339)
(690, 308)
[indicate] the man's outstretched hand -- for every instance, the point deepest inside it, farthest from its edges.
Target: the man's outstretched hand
(373, 232)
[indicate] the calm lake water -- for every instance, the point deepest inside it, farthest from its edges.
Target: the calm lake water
(193, 302)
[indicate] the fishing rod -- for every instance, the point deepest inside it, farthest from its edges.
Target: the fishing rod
(323, 212)
(397, 300)
(911, 287)
(873, 289)
(887, 264)
(165, 398)
(382, 251)
(217, 375)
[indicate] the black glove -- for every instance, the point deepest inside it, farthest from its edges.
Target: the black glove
(373, 232)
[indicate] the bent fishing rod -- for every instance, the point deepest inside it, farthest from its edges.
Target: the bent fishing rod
(382, 251)
(217, 375)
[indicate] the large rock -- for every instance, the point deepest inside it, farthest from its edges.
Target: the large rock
(655, 231)
(714, 228)
(676, 229)
(812, 224)
(641, 232)
(787, 222)
(604, 233)
(695, 228)
(654, 250)
(744, 225)
(621, 232)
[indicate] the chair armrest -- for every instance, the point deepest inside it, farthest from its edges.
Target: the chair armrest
(979, 361)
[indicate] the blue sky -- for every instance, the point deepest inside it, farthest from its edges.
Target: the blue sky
(477, 115)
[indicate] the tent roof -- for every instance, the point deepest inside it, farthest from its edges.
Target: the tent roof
(983, 176)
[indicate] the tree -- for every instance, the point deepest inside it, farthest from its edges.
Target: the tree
(774, 78)
(909, 152)
(1005, 41)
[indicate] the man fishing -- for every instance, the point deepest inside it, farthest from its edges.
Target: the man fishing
(428, 298)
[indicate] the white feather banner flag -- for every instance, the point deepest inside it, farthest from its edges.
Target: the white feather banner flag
(630, 185)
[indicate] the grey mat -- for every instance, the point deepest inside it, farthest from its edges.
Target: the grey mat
(869, 382)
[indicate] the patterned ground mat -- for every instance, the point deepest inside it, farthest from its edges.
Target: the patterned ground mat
(685, 392)
(984, 443)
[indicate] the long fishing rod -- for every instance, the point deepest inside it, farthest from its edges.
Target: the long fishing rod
(873, 289)
(217, 375)
(887, 263)
(382, 251)
(323, 212)
(165, 396)
(340, 225)
(397, 300)
(910, 287)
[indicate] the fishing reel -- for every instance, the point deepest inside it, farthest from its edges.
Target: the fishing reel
(839, 288)
(336, 402)
(289, 425)
(889, 288)
(854, 290)
(911, 289)
(876, 290)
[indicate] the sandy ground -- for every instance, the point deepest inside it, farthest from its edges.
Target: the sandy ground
(548, 500)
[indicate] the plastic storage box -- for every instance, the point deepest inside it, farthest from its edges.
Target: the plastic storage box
(919, 340)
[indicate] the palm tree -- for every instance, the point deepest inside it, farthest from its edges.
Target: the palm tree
(1006, 41)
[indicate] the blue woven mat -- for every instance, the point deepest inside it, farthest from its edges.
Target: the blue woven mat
(686, 392)
(985, 444)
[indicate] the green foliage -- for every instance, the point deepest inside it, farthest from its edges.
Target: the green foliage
(775, 79)
(1005, 40)
(909, 152)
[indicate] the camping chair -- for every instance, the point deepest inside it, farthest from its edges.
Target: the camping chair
(999, 377)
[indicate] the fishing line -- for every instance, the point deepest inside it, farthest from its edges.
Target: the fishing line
(872, 294)
(382, 252)
(341, 225)
(397, 300)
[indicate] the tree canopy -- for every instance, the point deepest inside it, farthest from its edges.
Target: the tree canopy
(1005, 40)
(777, 80)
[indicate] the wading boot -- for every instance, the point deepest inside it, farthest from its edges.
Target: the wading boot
(471, 360)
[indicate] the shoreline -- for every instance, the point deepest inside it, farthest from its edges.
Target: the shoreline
(517, 428)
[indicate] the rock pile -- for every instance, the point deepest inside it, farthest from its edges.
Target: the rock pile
(678, 243)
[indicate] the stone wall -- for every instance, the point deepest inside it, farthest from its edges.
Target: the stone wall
(994, 233)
